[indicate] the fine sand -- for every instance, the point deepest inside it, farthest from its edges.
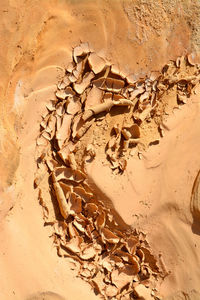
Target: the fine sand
(151, 193)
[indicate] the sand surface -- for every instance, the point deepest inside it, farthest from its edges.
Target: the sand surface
(153, 194)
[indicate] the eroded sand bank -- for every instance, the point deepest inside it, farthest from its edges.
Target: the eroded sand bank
(152, 195)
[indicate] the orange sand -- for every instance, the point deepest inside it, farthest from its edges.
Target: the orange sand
(153, 194)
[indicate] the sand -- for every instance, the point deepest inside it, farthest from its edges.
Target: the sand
(152, 194)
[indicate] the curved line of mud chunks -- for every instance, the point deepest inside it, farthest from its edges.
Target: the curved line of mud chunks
(116, 262)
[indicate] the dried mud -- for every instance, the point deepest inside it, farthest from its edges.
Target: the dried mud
(106, 136)
(95, 100)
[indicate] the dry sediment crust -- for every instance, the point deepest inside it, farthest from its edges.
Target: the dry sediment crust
(116, 261)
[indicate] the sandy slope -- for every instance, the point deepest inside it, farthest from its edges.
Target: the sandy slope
(153, 194)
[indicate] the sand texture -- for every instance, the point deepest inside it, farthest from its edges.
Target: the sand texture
(99, 160)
